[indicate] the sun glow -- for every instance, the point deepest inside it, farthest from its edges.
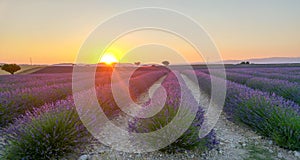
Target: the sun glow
(108, 59)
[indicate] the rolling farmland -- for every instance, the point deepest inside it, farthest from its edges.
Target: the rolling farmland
(37, 110)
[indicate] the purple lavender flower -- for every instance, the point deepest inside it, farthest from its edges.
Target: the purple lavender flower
(175, 96)
(47, 132)
(269, 114)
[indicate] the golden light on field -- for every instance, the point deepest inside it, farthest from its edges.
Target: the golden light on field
(108, 59)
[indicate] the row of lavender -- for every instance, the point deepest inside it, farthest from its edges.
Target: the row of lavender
(287, 89)
(8, 79)
(9, 83)
(48, 132)
(137, 85)
(291, 74)
(178, 95)
(280, 70)
(268, 114)
(21, 98)
(31, 91)
(54, 129)
(16, 102)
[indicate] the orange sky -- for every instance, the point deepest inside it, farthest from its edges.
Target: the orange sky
(53, 32)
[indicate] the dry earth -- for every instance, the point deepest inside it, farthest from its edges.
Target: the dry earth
(237, 142)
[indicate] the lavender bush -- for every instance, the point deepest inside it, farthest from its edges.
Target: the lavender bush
(269, 114)
(190, 139)
(49, 132)
(280, 124)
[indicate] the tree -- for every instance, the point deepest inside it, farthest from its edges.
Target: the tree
(245, 62)
(137, 63)
(166, 63)
(11, 68)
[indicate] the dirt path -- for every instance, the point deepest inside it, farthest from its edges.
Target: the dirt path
(236, 142)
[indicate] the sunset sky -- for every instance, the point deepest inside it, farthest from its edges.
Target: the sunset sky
(52, 32)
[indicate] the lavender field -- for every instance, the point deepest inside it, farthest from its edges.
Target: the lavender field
(39, 120)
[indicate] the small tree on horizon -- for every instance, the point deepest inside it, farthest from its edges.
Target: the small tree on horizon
(166, 63)
(137, 63)
(11, 68)
(245, 62)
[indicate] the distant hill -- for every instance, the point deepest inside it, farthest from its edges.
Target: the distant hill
(272, 60)
(63, 64)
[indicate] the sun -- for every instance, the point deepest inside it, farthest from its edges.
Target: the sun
(108, 59)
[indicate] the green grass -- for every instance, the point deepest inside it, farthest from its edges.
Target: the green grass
(256, 152)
